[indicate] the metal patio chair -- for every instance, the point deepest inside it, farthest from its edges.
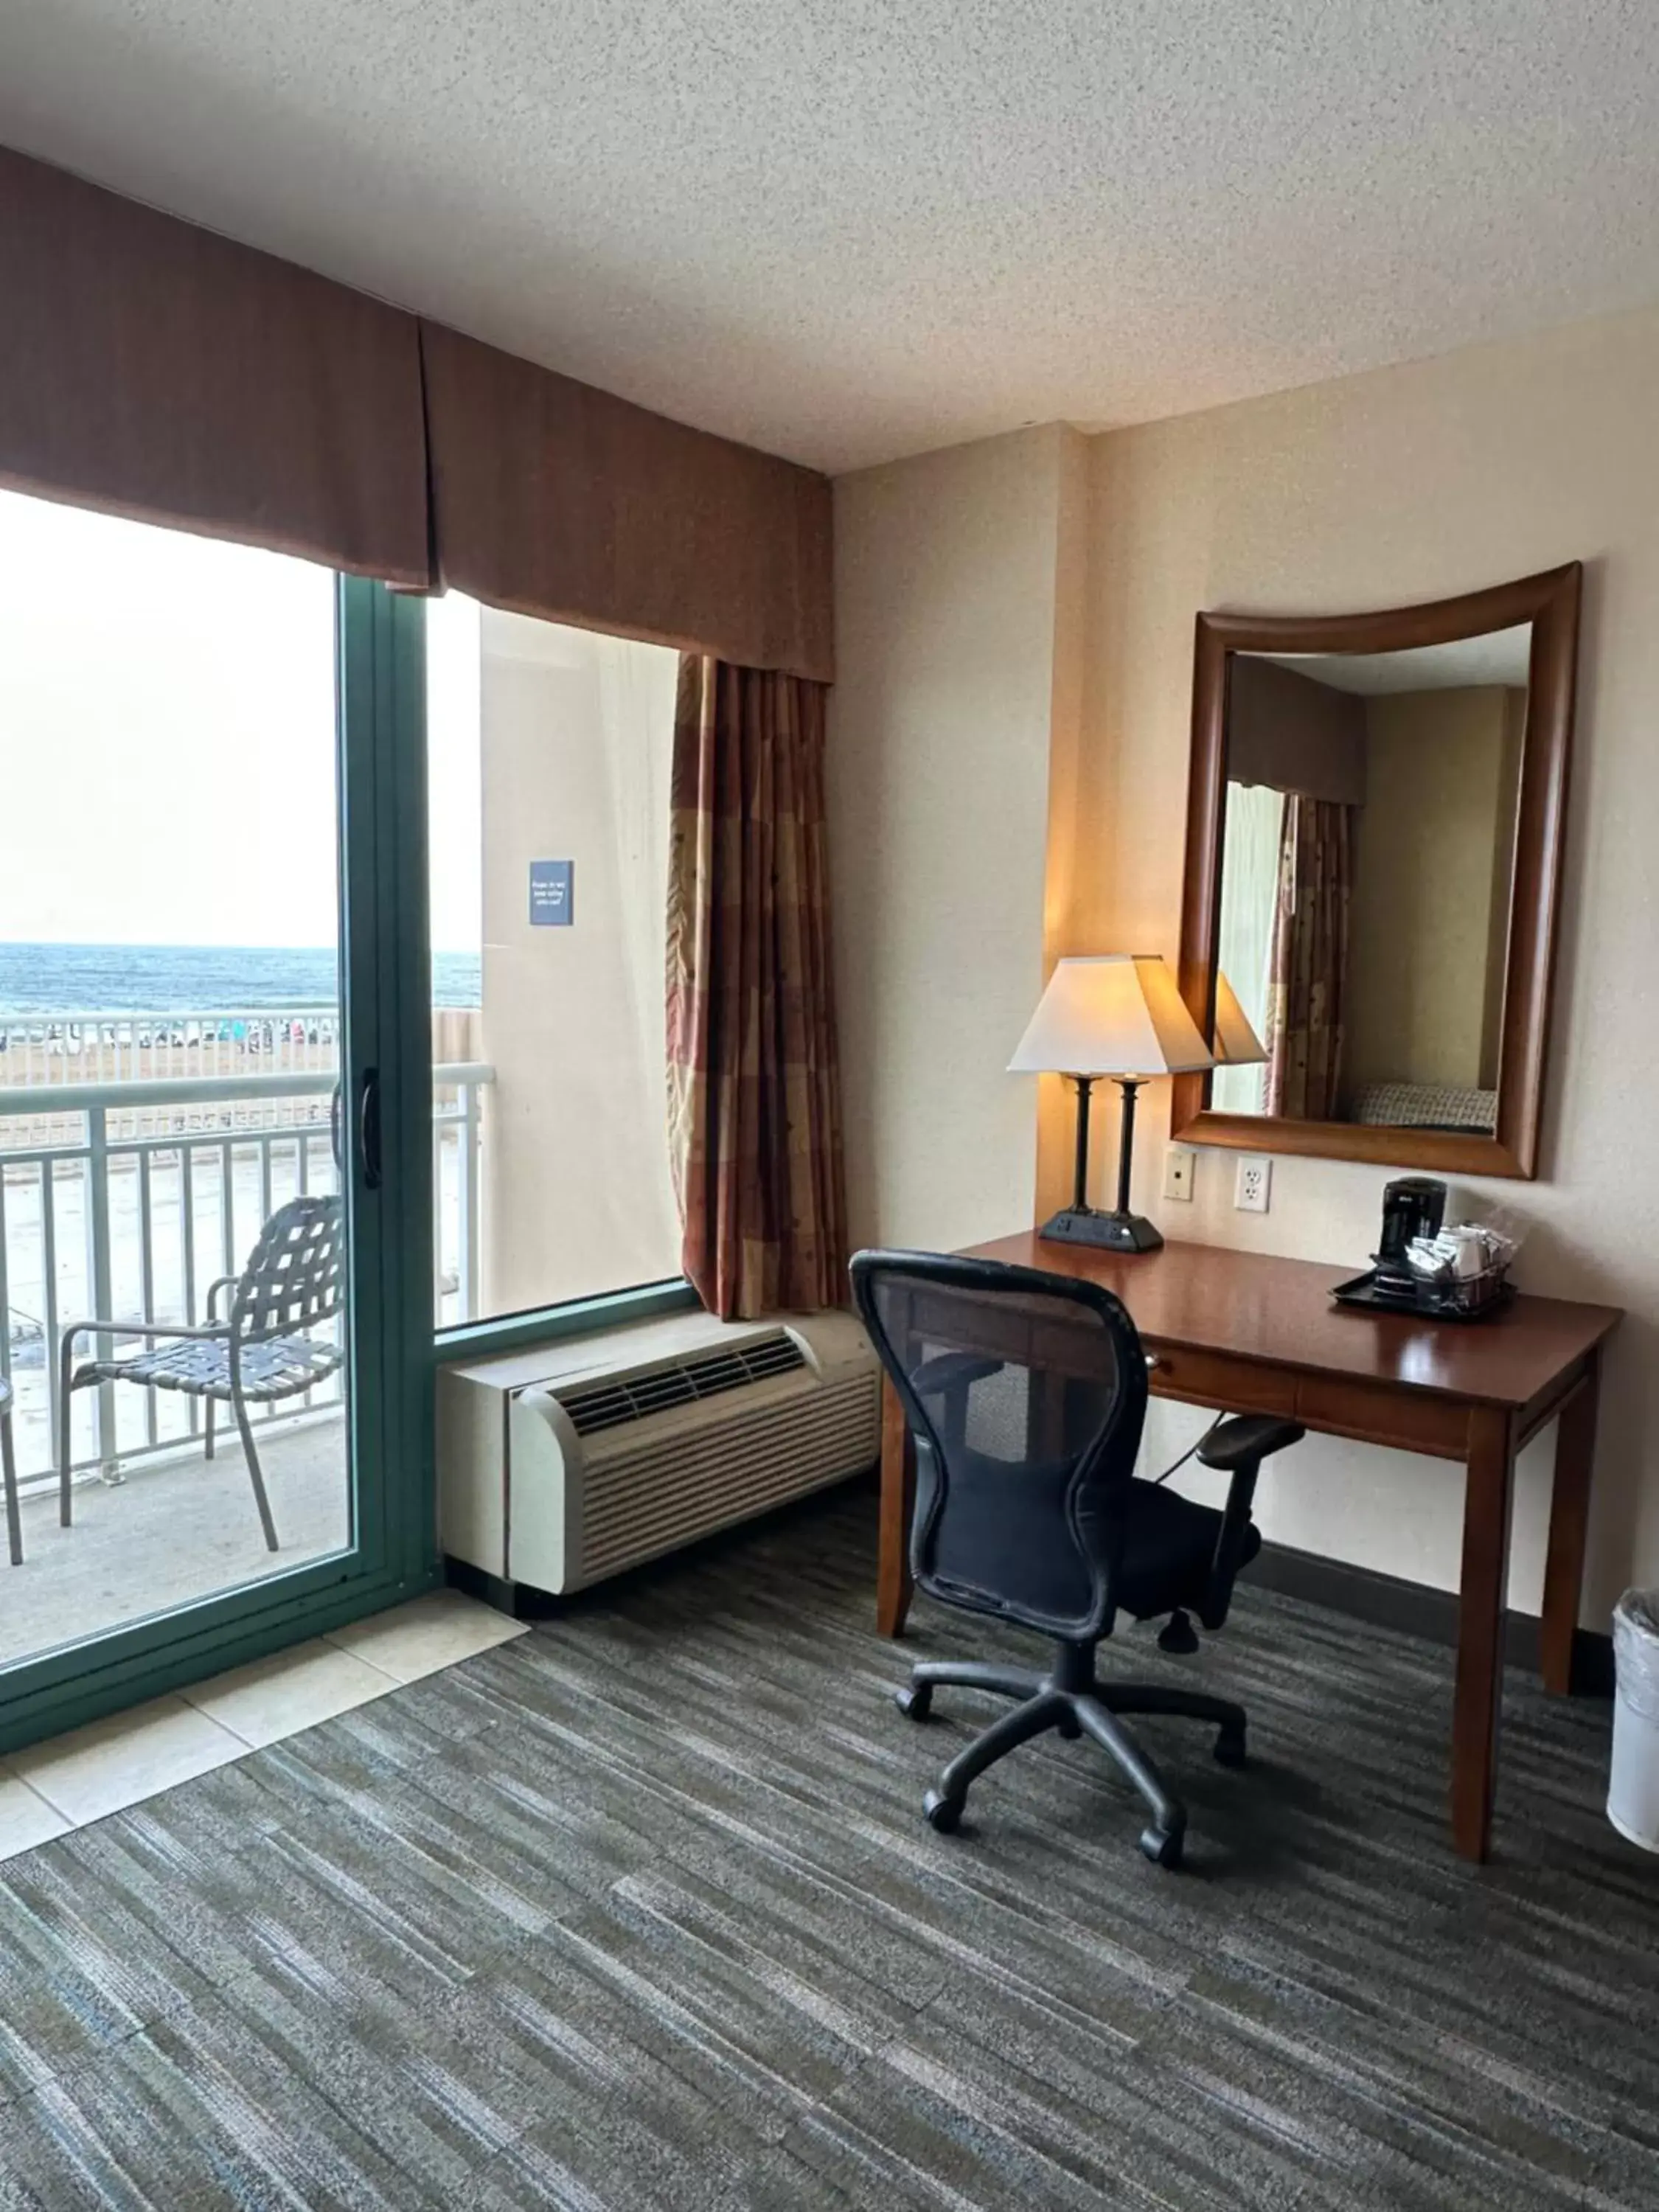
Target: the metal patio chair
(294, 1281)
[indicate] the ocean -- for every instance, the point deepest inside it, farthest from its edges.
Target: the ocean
(169, 979)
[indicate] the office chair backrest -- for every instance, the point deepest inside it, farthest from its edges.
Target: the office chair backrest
(1025, 1394)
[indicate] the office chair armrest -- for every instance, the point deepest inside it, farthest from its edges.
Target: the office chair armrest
(1238, 1447)
(1248, 1440)
(952, 1371)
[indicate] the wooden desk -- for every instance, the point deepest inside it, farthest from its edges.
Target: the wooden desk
(1243, 1333)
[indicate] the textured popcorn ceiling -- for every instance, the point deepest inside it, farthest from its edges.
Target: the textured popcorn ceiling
(847, 230)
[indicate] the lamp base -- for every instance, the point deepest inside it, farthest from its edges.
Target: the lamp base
(1089, 1225)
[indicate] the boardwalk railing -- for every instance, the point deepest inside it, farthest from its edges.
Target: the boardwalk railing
(136, 1196)
(90, 1047)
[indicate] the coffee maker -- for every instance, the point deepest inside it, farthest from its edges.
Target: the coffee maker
(1415, 1206)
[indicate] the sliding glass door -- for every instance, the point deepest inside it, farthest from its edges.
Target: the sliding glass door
(216, 1144)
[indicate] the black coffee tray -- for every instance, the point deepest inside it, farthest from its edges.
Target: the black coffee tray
(1431, 1302)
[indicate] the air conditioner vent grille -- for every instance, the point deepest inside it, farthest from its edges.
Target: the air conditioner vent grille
(619, 1399)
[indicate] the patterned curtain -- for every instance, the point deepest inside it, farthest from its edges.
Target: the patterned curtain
(753, 1078)
(1310, 961)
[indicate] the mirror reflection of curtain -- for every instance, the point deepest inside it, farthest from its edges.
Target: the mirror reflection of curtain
(1249, 899)
(1309, 960)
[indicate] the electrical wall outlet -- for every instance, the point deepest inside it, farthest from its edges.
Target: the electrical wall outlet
(1253, 1184)
(1179, 1161)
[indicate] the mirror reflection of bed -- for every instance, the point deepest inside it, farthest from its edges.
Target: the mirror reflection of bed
(1367, 868)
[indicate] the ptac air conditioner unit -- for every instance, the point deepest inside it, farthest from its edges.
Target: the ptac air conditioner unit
(559, 1466)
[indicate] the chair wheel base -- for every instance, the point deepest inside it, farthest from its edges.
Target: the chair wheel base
(944, 1813)
(915, 1700)
(1230, 1748)
(1161, 1846)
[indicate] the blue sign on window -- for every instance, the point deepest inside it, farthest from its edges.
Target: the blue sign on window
(552, 894)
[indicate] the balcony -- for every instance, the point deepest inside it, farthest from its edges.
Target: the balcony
(139, 1155)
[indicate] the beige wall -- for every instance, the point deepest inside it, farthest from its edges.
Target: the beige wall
(1375, 490)
(1401, 485)
(1422, 920)
(575, 736)
(959, 655)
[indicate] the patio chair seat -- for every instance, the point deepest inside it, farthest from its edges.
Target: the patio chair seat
(295, 1279)
(272, 1367)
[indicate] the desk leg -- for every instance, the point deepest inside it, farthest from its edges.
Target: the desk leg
(1564, 1568)
(898, 1484)
(1488, 1491)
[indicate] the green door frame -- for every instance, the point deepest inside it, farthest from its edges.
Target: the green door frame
(380, 649)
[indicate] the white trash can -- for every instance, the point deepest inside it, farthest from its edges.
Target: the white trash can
(1633, 1791)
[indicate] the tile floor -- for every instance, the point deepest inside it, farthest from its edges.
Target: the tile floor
(72, 1780)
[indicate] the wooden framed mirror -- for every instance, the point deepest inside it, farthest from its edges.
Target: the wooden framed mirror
(1375, 832)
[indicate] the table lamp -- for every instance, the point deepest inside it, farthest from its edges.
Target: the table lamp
(1117, 1014)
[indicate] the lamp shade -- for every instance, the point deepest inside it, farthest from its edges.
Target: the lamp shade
(1118, 1013)
(1235, 1044)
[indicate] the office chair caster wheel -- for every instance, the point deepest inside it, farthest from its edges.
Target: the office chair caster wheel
(915, 1699)
(1178, 1635)
(1230, 1748)
(1161, 1846)
(944, 1813)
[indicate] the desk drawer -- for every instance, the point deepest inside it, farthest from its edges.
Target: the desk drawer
(1410, 1421)
(1233, 1386)
(1338, 1405)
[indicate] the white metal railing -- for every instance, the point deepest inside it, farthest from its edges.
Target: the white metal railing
(138, 1193)
(92, 1047)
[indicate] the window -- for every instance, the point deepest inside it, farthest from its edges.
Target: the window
(549, 757)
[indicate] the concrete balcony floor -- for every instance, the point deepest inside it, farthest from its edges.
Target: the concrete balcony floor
(174, 1530)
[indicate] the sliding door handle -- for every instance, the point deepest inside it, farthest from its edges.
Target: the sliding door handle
(369, 1129)
(336, 1139)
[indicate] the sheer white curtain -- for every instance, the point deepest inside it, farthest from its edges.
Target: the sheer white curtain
(577, 734)
(636, 685)
(1249, 888)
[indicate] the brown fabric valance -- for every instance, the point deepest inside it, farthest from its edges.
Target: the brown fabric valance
(1294, 734)
(554, 499)
(151, 368)
(154, 369)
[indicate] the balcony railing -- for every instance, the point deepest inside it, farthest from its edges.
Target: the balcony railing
(128, 1197)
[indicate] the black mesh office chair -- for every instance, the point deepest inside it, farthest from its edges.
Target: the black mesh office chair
(1025, 1394)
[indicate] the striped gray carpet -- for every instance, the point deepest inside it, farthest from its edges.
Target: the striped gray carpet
(638, 1911)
